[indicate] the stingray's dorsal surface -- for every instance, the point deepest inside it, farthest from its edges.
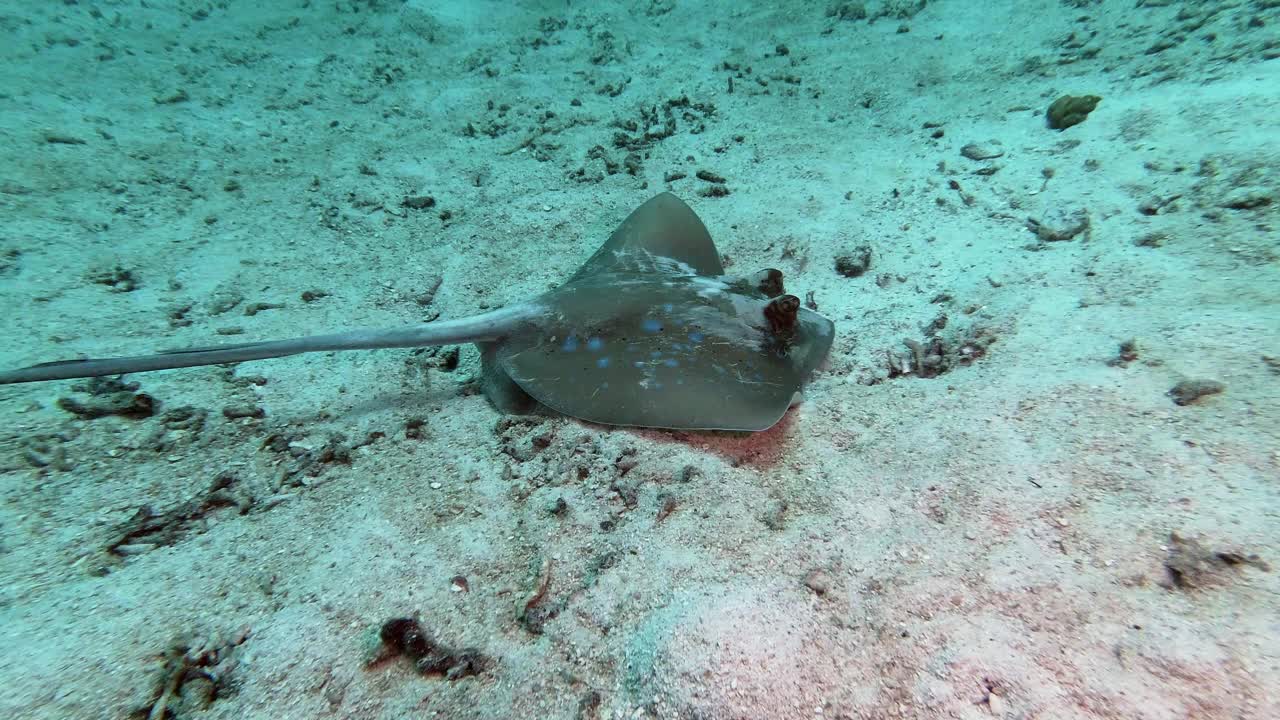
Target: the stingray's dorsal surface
(649, 332)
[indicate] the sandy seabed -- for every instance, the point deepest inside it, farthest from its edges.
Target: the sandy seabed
(1027, 526)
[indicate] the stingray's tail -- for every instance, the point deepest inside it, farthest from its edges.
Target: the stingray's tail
(480, 328)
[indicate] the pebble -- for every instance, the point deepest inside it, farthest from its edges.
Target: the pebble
(982, 151)
(817, 581)
(436, 486)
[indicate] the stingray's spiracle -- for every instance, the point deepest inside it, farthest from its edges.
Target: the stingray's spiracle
(769, 283)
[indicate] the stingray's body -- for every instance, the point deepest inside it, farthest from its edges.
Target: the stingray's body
(649, 332)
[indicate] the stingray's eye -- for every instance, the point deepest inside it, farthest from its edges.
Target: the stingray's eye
(782, 314)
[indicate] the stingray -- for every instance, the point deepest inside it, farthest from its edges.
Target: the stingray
(649, 332)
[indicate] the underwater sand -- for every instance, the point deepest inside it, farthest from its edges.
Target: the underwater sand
(1036, 531)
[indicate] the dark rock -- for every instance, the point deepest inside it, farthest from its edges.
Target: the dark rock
(856, 263)
(1190, 391)
(1071, 110)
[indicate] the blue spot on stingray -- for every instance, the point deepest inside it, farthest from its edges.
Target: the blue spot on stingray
(655, 354)
(668, 307)
(671, 362)
(696, 337)
(595, 344)
(638, 363)
(602, 362)
(650, 325)
(570, 344)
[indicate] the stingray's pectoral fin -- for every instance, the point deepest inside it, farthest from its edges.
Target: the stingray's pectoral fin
(499, 389)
